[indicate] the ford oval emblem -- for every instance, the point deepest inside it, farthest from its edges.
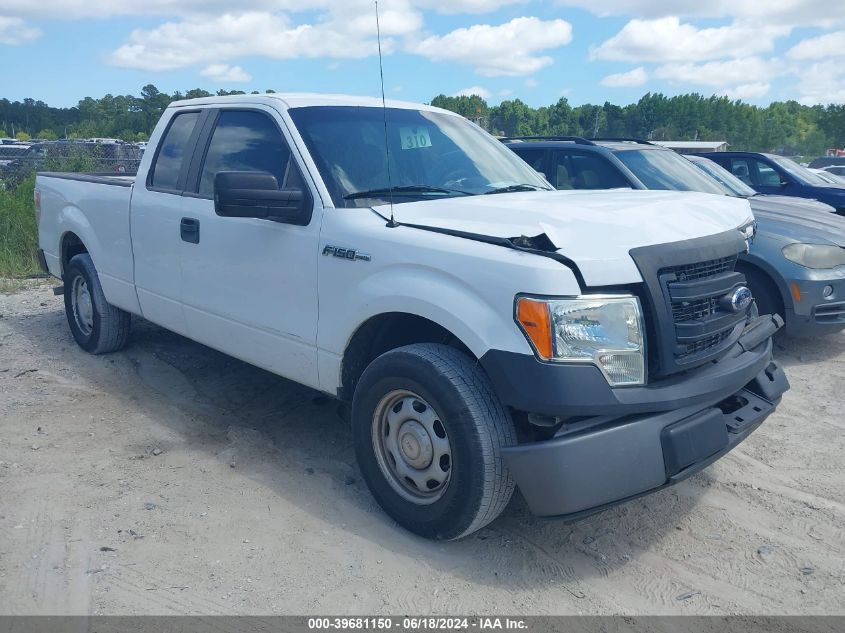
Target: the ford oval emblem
(739, 299)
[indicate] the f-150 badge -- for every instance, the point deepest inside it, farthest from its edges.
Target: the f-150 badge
(345, 253)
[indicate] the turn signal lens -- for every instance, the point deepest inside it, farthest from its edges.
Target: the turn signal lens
(533, 316)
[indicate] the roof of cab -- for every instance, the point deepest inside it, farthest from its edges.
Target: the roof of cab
(301, 100)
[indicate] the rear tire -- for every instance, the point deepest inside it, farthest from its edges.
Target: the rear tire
(97, 326)
(428, 431)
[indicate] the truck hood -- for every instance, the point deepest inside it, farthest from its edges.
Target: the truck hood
(797, 223)
(594, 229)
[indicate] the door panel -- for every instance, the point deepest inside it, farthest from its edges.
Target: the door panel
(155, 218)
(249, 286)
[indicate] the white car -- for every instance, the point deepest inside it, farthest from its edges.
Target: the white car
(488, 332)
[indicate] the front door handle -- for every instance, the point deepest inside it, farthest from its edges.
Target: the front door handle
(189, 228)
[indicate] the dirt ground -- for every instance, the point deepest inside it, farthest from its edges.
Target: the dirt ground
(170, 479)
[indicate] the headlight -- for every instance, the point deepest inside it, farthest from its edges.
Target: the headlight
(606, 331)
(815, 255)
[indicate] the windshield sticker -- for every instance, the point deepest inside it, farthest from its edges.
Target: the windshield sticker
(415, 137)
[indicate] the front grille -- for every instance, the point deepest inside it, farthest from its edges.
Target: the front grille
(686, 286)
(701, 270)
(691, 310)
(706, 343)
(695, 292)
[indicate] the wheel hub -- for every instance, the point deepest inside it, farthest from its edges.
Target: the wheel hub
(412, 447)
(415, 445)
(83, 307)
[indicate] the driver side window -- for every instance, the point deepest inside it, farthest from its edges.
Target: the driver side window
(247, 140)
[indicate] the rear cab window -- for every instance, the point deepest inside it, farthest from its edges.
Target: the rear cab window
(173, 153)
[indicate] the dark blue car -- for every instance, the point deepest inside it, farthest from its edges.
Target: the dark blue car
(776, 175)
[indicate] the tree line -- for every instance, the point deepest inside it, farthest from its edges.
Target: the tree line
(782, 127)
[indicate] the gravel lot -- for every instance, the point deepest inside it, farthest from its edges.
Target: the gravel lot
(171, 479)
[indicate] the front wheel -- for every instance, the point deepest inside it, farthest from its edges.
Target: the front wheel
(97, 326)
(428, 432)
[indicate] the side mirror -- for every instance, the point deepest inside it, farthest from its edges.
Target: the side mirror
(783, 182)
(256, 194)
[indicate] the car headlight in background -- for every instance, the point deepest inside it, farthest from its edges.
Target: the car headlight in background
(606, 331)
(748, 230)
(815, 255)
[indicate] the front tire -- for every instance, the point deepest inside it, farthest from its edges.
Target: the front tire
(97, 326)
(428, 431)
(765, 292)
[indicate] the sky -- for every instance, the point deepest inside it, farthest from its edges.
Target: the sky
(589, 51)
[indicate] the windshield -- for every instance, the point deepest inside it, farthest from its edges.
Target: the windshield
(801, 174)
(732, 185)
(664, 169)
(432, 155)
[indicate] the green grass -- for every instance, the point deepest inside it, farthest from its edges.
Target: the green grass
(18, 231)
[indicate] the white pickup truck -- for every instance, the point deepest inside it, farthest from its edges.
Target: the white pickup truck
(489, 332)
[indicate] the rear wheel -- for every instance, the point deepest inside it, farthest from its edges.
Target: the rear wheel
(97, 326)
(428, 432)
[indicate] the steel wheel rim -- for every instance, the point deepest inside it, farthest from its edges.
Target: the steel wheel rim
(412, 447)
(83, 306)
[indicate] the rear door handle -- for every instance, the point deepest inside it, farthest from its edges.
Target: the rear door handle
(189, 229)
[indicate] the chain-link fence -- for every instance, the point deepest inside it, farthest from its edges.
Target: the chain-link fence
(18, 166)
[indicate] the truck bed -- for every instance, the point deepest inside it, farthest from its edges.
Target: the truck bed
(92, 209)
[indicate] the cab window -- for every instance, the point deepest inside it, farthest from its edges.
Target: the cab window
(173, 151)
(248, 140)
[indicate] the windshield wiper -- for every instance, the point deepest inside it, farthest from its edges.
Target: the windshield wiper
(519, 187)
(403, 189)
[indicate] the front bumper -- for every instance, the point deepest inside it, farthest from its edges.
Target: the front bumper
(568, 389)
(810, 312)
(578, 473)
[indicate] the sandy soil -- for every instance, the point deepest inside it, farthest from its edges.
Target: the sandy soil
(170, 479)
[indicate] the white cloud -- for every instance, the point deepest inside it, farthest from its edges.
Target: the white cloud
(667, 39)
(730, 77)
(474, 90)
(75, 9)
(720, 74)
(636, 77)
(829, 45)
(465, 6)
(531, 83)
(228, 36)
(824, 13)
(225, 73)
(509, 49)
(823, 82)
(748, 91)
(14, 31)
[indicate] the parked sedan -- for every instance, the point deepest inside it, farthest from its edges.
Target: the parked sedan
(827, 176)
(798, 257)
(836, 170)
(768, 173)
(795, 266)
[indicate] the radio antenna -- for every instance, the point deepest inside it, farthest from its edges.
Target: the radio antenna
(392, 223)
